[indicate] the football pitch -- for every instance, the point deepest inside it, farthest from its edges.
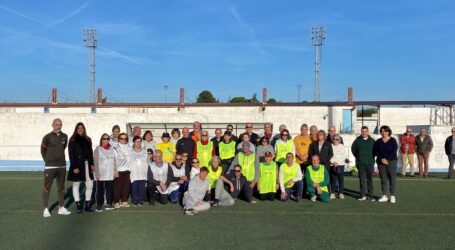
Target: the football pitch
(422, 218)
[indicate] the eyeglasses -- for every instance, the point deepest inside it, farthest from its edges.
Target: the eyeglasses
(186, 156)
(150, 153)
(453, 131)
(336, 139)
(236, 171)
(194, 162)
(105, 139)
(123, 138)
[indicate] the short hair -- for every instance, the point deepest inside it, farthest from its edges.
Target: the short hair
(364, 127)
(230, 125)
(158, 152)
(386, 129)
(136, 137)
(146, 133)
(336, 136)
(115, 127)
(245, 145)
(289, 153)
(304, 126)
(215, 158)
(238, 166)
(125, 134)
(313, 127)
(175, 130)
(203, 169)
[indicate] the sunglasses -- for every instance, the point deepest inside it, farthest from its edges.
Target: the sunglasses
(178, 159)
(105, 139)
(236, 171)
(204, 135)
(336, 139)
(194, 162)
(185, 156)
(284, 135)
(123, 138)
(248, 127)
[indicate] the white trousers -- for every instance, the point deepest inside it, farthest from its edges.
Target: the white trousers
(88, 186)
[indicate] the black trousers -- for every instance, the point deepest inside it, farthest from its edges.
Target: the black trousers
(267, 196)
(388, 174)
(154, 195)
(101, 188)
(336, 174)
(366, 180)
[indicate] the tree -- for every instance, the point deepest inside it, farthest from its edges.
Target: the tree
(206, 97)
(242, 99)
(272, 100)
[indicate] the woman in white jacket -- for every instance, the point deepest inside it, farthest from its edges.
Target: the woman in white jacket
(105, 172)
(338, 162)
(122, 159)
(139, 167)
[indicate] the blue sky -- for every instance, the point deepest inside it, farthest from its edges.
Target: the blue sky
(385, 50)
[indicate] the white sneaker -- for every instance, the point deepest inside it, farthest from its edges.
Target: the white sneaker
(384, 198)
(392, 199)
(63, 211)
(46, 213)
(363, 198)
(341, 196)
(332, 196)
(313, 198)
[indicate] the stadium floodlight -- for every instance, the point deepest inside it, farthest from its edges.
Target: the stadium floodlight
(317, 40)
(90, 41)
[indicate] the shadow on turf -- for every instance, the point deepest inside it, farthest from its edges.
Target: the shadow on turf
(354, 193)
(68, 197)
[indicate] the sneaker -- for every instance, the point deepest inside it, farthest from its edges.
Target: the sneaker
(189, 212)
(384, 198)
(371, 199)
(117, 205)
(252, 202)
(332, 196)
(46, 213)
(392, 199)
(215, 203)
(63, 211)
(140, 204)
(99, 210)
(134, 205)
(341, 196)
(362, 198)
(125, 204)
(313, 198)
(293, 197)
(109, 207)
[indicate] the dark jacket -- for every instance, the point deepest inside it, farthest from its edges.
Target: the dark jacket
(424, 146)
(363, 151)
(53, 149)
(240, 184)
(79, 151)
(448, 145)
(253, 138)
(185, 145)
(386, 151)
(325, 154)
(216, 143)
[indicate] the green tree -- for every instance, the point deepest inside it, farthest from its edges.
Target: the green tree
(242, 99)
(206, 97)
(272, 100)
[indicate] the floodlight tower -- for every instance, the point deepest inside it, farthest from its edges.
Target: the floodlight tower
(317, 40)
(90, 41)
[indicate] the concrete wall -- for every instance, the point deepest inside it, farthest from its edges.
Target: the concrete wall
(21, 129)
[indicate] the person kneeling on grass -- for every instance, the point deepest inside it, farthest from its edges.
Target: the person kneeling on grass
(159, 177)
(229, 187)
(317, 180)
(179, 179)
(193, 199)
(268, 178)
(290, 177)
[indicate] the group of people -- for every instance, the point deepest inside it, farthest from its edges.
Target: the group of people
(199, 172)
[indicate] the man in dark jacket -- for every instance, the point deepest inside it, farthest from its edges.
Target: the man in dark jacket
(253, 136)
(449, 147)
(185, 145)
(230, 186)
(362, 149)
(53, 152)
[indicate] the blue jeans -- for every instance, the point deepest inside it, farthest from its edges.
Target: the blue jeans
(298, 188)
(138, 192)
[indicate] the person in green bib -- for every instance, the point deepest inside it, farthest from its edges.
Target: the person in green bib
(214, 174)
(284, 146)
(317, 178)
(290, 177)
(226, 149)
(250, 167)
(268, 178)
(204, 149)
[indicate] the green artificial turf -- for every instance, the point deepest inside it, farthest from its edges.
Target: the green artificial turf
(422, 218)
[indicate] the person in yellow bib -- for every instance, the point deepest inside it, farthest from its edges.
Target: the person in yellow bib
(214, 174)
(268, 178)
(226, 149)
(204, 149)
(250, 167)
(317, 178)
(284, 146)
(167, 148)
(290, 177)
